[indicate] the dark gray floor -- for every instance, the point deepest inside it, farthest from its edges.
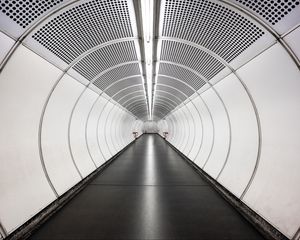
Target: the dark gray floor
(149, 192)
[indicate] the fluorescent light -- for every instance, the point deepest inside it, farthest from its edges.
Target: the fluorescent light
(147, 19)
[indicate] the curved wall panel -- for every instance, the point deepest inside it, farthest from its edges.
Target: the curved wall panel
(92, 136)
(23, 93)
(190, 129)
(218, 156)
(119, 131)
(196, 129)
(77, 128)
(101, 125)
(6, 44)
(114, 125)
(274, 192)
(55, 146)
(108, 124)
(185, 129)
(205, 148)
(244, 135)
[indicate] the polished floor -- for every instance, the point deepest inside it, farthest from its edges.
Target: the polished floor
(148, 192)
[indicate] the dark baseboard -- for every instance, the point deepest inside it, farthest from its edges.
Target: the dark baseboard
(25, 231)
(265, 228)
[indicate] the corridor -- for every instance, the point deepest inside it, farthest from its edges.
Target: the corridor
(148, 192)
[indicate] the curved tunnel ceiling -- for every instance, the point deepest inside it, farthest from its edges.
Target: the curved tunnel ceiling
(197, 45)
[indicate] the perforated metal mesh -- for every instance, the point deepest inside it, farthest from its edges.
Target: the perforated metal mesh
(211, 25)
(160, 110)
(192, 57)
(118, 86)
(168, 95)
(85, 26)
(164, 102)
(24, 12)
(140, 111)
(164, 105)
(134, 95)
(131, 104)
(272, 11)
(172, 91)
(129, 90)
(116, 74)
(181, 73)
(105, 58)
(176, 84)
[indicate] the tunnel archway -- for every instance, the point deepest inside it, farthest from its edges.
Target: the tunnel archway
(224, 86)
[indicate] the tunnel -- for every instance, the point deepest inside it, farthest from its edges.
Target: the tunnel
(149, 119)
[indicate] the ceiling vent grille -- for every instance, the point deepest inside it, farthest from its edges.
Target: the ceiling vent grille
(211, 25)
(272, 11)
(192, 57)
(84, 27)
(116, 74)
(24, 12)
(181, 73)
(105, 58)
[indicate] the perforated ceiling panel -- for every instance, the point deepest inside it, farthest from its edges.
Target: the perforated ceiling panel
(271, 11)
(24, 12)
(211, 25)
(85, 26)
(181, 73)
(118, 86)
(133, 95)
(126, 91)
(160, 111)
(139, 110)
(172, 98)
(105, 58)
(122, 84)
(172, 91)
(191, 57)
(139, 100)
(163, 101)
(120, 72)
(175, 84)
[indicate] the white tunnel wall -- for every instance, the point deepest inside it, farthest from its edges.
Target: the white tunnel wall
(195, 131)
(78, 145)
(24, 187)
(6, 45)
(259, 168)
(54, 132)
(55, 139)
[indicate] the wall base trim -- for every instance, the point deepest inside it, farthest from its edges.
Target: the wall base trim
(25, 230)
(265, 228)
